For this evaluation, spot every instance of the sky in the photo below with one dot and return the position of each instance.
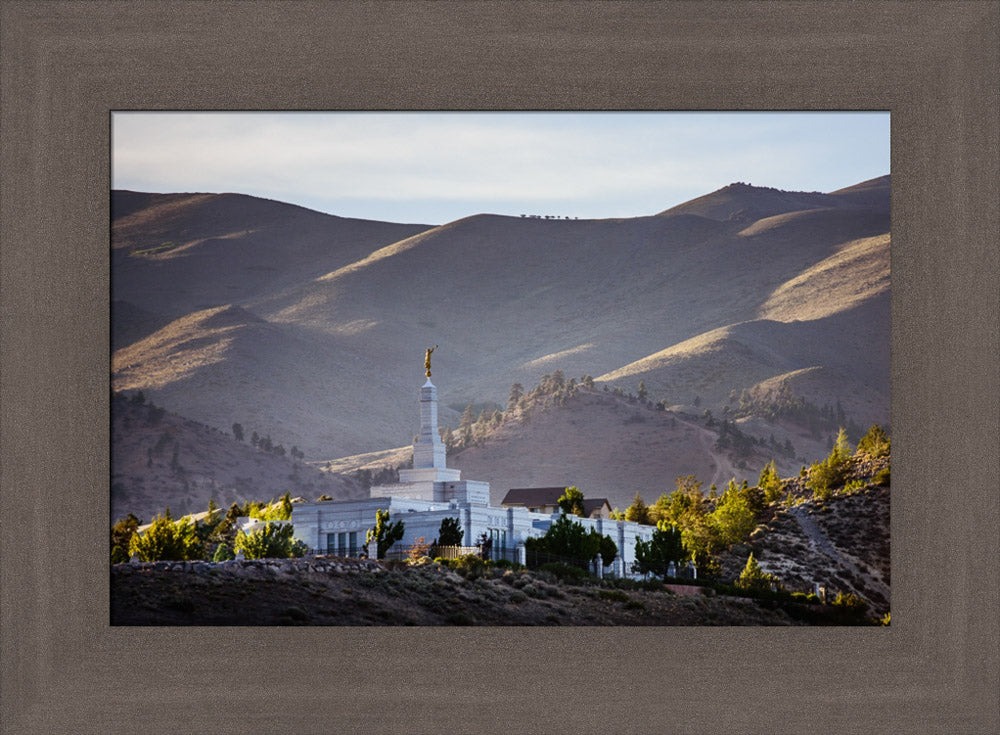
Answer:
(436, 167)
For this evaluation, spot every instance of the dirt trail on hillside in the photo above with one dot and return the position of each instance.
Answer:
(724, 469)
(840, 559)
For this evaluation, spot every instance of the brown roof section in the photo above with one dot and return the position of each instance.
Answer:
(533, 496)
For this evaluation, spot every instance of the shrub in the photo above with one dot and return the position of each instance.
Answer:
(882, 477)
(566, 573)
(273, 541)
(613, 595)
(167, 540)
(754, 578)
(223, 553)
(469, 566)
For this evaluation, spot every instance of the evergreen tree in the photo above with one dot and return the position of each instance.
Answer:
(875, 443)
(770, 483)
(385, 534)
(754, 578)
(121, 536)
(450, 533)
(637, 512)
(222, 553)
(516, 391)
(733, 518)
(238, 432)
(571, 501)
(642, 392)
(655, 555)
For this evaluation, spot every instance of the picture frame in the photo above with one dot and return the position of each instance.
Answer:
(65, 66)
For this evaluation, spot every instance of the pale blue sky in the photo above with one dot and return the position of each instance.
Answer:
(435, 167)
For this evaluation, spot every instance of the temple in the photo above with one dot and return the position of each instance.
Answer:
(430, 492)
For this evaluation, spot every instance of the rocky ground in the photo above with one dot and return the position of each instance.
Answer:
(334, 591)
(842, 544)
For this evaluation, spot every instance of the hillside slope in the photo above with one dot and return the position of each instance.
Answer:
(160, 460)
(330, 317)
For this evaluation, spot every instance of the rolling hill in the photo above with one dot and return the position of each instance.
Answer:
(230, 308)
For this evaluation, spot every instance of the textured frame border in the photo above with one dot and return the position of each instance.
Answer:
(64, 66)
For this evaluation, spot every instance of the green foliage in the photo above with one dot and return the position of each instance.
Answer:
(754, 578)
(571, 501)
(450, 533)
(568, 539)
(167, 540)
(655, 555)
(733, 517)
(770, 483)
(272, 541)
(882, 477)
(280, 510)
(851, 606)
(875, 443)
(121, 536)
(701, 538)
(223, 553)
(638, 511)
(385, 534)
(829, 474)
(469, 566)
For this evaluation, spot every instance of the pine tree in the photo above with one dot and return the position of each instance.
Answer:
(385, 534)
(571, 501)
(638, 512)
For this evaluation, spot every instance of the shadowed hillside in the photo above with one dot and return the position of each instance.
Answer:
(230, 308)
(160, 460)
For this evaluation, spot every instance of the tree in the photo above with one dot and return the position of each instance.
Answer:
(121, 536)
(568, 539)
(238, 431)
(516, 391)
(875, 443)
(638, 511)
(733, 518)
(754, 578)
(272, 541)
(450, 533)
(167, 540)
(465, 425)
(255, 439)
(770, 483)
(655, 555)
(571, 501)
(830, 473)
(385, 534)
(222, 553)
(642, 392)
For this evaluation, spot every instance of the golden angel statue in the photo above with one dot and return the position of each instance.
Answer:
(427, 360)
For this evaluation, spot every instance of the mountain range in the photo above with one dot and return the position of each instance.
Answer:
(312, 328)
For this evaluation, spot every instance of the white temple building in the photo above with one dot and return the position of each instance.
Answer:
(430, 492)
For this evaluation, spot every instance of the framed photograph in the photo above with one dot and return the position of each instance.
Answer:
(67, 68)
